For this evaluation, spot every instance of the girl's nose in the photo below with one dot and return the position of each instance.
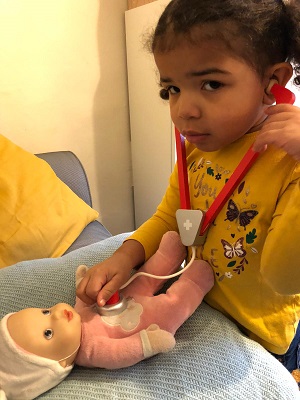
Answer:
(188, 107)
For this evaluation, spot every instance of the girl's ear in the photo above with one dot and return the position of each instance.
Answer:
(279, 73)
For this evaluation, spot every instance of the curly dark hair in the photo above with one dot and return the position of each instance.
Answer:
(262, 32)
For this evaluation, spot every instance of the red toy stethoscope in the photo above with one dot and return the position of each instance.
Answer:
(193, 224)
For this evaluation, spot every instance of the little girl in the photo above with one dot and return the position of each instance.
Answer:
(216, 60)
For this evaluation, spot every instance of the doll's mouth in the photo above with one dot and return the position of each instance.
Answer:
(68, 315)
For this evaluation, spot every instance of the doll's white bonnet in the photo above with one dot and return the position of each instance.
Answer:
(24, 376)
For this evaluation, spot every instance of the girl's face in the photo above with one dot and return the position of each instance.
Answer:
(214, 98)
(52, 333)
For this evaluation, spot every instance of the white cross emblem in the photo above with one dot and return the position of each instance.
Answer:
(187, 225)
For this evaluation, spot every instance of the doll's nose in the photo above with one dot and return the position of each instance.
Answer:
(57, 314)
(61, 311)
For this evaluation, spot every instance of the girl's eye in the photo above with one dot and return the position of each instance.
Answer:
(173, 89)
(165, 92)
(48, 334)
(46, 312)
(212, 85)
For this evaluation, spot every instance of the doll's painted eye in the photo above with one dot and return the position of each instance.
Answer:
(46, 312)
(48, 334)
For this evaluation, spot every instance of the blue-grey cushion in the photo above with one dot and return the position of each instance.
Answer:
(212, 359)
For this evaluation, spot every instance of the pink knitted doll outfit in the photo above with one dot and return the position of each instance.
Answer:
(148, 325)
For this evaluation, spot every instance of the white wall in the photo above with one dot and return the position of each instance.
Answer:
(152, 134)
(63, 86)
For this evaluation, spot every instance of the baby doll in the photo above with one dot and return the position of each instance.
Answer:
(145, 328)
(148, 324)
(37, 350)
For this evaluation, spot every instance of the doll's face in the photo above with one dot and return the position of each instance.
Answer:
(51, 333)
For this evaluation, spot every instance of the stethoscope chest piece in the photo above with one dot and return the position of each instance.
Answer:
(110, 310)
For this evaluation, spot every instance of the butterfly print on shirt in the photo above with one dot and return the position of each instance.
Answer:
(243, 217)
(235, 249)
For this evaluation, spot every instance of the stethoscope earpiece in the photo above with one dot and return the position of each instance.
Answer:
(281, 93)
(270, 85)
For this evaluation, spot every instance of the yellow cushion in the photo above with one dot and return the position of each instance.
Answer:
(40, 216)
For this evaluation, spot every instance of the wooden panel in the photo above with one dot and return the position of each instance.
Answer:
(137, 3)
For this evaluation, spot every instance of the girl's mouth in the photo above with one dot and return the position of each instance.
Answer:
(194, 137)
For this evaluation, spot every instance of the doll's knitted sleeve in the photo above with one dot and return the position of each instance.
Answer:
(103, 352)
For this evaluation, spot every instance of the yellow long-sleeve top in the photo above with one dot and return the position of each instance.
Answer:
(253, 245)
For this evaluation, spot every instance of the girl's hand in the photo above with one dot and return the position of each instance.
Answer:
(281, 129)
(103, 280)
